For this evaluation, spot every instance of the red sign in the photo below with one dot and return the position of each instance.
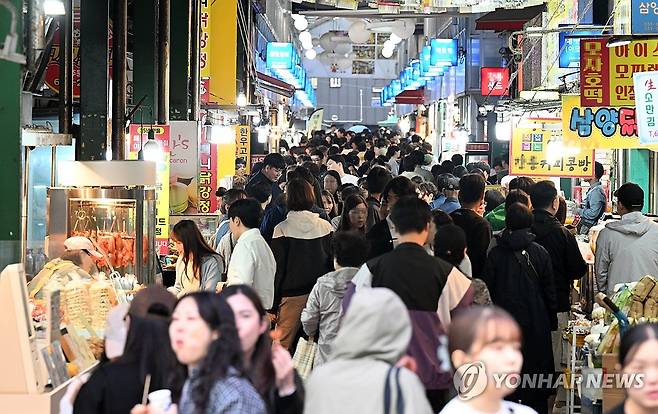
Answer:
(207, 175)
(51, 78)
(204, 91)
(494, 81)
(594, 73)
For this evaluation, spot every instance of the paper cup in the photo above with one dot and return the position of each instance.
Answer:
(160, 399)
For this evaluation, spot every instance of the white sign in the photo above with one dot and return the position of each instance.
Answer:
(646, 106)
(183, 147)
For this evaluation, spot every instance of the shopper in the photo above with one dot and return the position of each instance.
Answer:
(273, 167)
(330, 204)
(332, 182)
(519, 275)
(567, 261)
(230, 197)
(449, 244)
(383, 235)
(488, 336)
(432, 290)
(377, 179)
(496, 217)
(337, 163)
(252, 262)
(268, 366)
(393, 154)
(302, 248)
(627, 249)
(450, 185)
(374, 336)
(198, 266)
(323, 307)
(477, 229)
(638, 355)
(501, 167)
(355, 214)
(261, 192)
(117, 386)
(595, 201)
(205, 340)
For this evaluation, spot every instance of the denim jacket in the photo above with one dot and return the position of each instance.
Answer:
(594, 205)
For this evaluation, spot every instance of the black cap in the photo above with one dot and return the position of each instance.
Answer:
(447, 182)
(631, 196)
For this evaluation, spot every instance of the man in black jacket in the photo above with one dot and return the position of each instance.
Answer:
(469, 218)
(568, 263)
(376, 180)
(273, 167)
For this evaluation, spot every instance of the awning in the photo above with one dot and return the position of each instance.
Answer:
(512, 20)
(274, 85)
(411, 97)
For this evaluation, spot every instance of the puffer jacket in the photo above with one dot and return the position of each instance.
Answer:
(323, 309)
(626, 250)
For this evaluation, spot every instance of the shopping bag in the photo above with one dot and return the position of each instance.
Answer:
(304, 356)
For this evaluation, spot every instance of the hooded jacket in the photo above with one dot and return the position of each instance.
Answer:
(323, 309)
(568, 262)
(301, 245)
(374, 335)
(626, 250)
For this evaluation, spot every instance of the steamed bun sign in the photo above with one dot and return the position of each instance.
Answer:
(538, 153)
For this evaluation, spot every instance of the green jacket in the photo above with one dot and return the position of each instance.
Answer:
(496, 218)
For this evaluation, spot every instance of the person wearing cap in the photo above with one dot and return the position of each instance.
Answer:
(77, 263)
(117, 385)
(451, 192)
(627, 249)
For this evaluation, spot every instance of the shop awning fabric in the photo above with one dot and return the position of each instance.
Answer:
(512, 20)
(274, 85)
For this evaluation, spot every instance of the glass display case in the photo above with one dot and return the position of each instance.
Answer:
(120, 222)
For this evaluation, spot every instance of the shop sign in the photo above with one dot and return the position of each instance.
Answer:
(646, 103)
(207, 174)
(218, 48)
(243, 145)
(537, 153)
(444, 52)
(569, 44)
(184, 165)
(494, 81)
(279, 55)
(256, 158)
(644, 17)
(138, 136)
(606, 74)
(314, 122)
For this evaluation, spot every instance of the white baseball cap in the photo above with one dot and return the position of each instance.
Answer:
(81, 243)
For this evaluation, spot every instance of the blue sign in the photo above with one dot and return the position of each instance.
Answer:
(570, 46)
(644, 17)
(280, 56)
(444, 52)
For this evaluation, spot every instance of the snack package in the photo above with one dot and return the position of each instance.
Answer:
(609, 339)
(637, 310)
(643, 288)
(650, 309)
(654, 293)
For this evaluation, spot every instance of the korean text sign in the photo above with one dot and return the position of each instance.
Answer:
(535, 152)
(494, 81)
(644, 17)
(606, 74)
(208, 160)
(243, 145)
(646, 103)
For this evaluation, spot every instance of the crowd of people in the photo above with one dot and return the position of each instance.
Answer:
(401, 268)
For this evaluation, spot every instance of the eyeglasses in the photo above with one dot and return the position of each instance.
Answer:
(358, 213)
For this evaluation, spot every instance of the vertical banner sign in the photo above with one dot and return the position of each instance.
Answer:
(243, 145)
(218, 51)
(537, 153)
(184, 167)
(494, 81)
(644, 17)
(207, 174)
(204, 53)
(314, 122)
(646, 104)
(138, 136)
(606, 74)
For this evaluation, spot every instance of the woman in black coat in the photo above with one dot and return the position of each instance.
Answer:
(519, 276)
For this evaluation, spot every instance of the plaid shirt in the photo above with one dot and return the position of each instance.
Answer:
(230, 395)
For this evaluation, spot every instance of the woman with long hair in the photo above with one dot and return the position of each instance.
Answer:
(205, 339)
(638, 358)
(268, 366)
(355, 213)
(117, 385)
(330, 204)
(332, 182)
(199, 267)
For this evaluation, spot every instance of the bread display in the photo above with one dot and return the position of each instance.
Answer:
(100, 295)
(76, 303)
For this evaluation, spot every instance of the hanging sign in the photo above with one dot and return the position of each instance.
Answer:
(138, 136)
(219, 28)
(184, 167)
(646, 103)
(494, 81)
(644, 17)
(243, 145)
(606, 74)
(538, 153)
(208, 173)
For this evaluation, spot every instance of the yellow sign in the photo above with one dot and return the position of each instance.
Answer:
(243, 145)
(600, 127)
(218, 53)
(538, 153)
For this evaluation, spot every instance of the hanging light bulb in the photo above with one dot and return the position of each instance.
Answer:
(395, 39)
(301, 23)
(306, 37)
(311, 54)
(54, 7)
(241, 100)
(387, 53)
